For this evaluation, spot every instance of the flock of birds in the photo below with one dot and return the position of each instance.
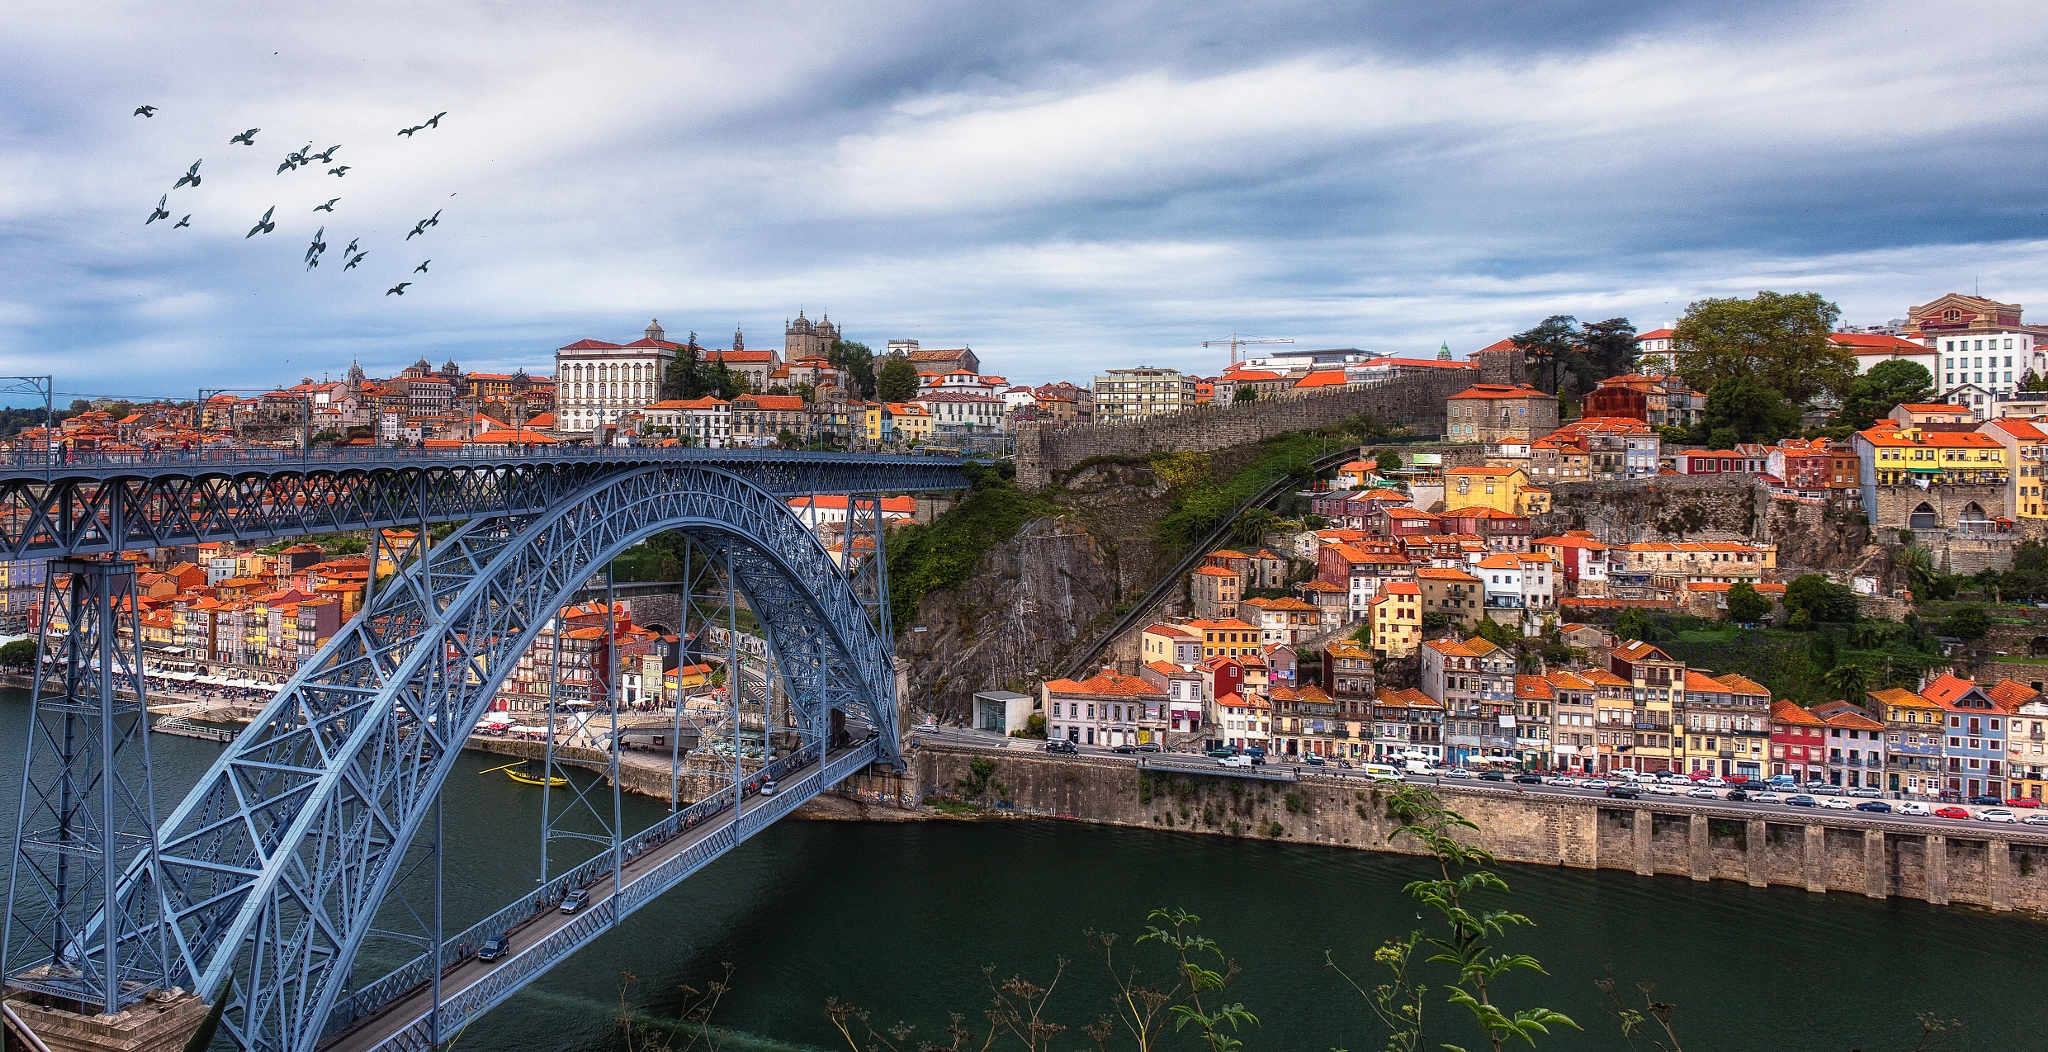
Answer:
(304, 157)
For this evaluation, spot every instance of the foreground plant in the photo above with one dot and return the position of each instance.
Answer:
(1466, 944)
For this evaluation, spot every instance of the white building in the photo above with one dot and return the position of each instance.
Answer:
(1993, 363)
(1874, 349)
(598, 383)
(957, 409)
(707, 422)
(829, 509)
(1133, 394)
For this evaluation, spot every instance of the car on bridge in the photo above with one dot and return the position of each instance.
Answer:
(575, 900)
(1061, 745)
(493, 948)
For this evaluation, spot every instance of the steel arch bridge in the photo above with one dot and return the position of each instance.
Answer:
(266, 879)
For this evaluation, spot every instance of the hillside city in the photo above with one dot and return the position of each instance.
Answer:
(1418, 610)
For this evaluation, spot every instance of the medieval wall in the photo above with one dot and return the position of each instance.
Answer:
(1044, 452)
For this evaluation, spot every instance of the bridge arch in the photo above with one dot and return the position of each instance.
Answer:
(274, 866)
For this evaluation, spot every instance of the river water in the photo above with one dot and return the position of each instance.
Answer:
(900, 919)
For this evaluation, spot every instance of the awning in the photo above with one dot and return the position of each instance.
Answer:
(530, 730)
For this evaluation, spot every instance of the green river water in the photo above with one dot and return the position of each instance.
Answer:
(901, 918)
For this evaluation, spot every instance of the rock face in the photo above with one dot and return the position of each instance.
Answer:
(1022, 607)
(1808, 536)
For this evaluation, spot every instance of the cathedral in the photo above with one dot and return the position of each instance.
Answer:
(803, 338)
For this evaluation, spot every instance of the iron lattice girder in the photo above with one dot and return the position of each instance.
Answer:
(86, 812)
(102, 508)
(319, 796)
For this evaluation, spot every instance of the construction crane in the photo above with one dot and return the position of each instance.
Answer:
(1236, 340)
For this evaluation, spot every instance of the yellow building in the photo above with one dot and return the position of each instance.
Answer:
(912, 423)
(870, 418)
(1394, 618)
(1502, 489)
(2023, 441)
(1895, 456)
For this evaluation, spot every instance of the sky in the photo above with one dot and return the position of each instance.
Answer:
(1064, 187)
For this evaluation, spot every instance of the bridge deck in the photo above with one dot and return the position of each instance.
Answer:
(471, 987)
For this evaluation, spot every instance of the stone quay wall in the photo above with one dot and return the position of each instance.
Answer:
(1998, 868)
(1044, 452)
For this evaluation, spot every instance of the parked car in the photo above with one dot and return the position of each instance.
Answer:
(1148, 746)
(1672, 778)
(1666, 788)
(493, 948)
(1458, 772)
(1702, 792)
(1802, 800)
(1910, 808)
(1951, 811)
(1868, 792)
(1124, 750)
(1987, 801)
(1836, 803)
(1218, 754)
(1714, 781)
(2036, 819)
(1818, 786)
(1313, 760)
(1235, 761)
(1876, 807)
(1061, 745)
(1561, 780)
(2022, 801)
(1997, 814)
(1766, 796)
(1623, 791)
(1492, 776)
(1528, 778)
(1597, 783)
(575, 900)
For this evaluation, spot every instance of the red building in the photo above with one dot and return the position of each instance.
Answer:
(1798, 742)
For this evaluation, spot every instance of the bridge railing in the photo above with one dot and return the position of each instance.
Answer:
(59, 460)
(390, 987)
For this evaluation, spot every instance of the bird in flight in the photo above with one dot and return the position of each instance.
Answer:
(353, 260)
(435, 120)
(435, 219)
(288, 163)
(247, 138)
(145, 111)
(263, 225)
(407, 132)
(422, 268)
(158, 212)
(417, 228)
(191, 177)
(328, 207)
(398, 289)
(187, 221)
(350, 250)
(325, 156)
(318, 246)
(338, 172)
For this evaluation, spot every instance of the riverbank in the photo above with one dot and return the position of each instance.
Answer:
(1999, 868)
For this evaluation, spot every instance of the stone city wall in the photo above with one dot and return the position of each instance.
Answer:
(1044, 452)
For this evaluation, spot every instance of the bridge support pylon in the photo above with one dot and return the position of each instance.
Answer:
(79, 977)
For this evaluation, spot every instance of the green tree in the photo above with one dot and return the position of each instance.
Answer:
(1847, 680)
(1779, 341)
(1387, 462)
(898, 380)
(1632, 624)
(1966, 622)
(1554, 346)
(1879, 391)
(857, 364)
(19, 654)
(1244, 394)
(1745, 605)
(1815, 600)
(684, 378)
(1610, 347)
(1754, 412)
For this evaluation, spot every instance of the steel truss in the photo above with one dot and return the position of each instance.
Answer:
(274, 866)
(73, 509)
(86, 811)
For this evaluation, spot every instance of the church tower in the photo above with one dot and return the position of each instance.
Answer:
(739, 341)
(1443, 352)
(654, 330)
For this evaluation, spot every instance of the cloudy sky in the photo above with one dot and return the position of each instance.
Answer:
(1062, 186)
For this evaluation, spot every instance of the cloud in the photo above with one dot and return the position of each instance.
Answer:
(1062, 188)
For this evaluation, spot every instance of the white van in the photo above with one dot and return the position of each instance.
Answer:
(1380, 772)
